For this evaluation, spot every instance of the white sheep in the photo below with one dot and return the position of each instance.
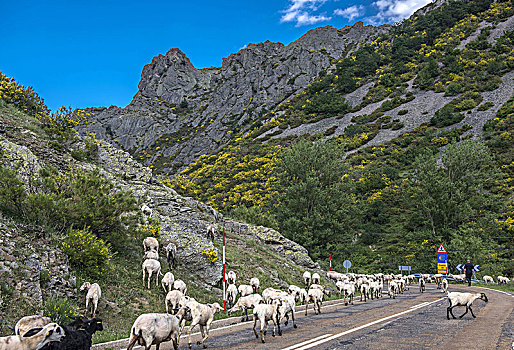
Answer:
(28, 322)
(270, 294)
(349, 292)
(244, 290)
(231, 277)
(392, 289)
(231, 294)
(181, 286)
(444, 285)
(151, 254)
(150, 243)
(302, 298)
(294, 291)
(167, 282)
(421, 284)
(315, 296)
(244, 303)
(316, 279)
(336, 276)
(203, 315)
(173, 298)
(463, 299)
(49, 333)
(307, 278)
(287, 307)
(254, 282)
(503, 280)
(265, 313)
(147, 211)
(488, 279)
(171, 254)
(151, 266)
(94, 293)
(154, 328)
(364, 291)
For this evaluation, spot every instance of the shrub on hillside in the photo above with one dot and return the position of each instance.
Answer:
(87, 252)
(12, 192)
(446, 116)
(60, 310)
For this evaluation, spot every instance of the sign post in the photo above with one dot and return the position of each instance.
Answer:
(347, 264)
(224, 292)
(404, 268)
(330, 269)
(442, 260)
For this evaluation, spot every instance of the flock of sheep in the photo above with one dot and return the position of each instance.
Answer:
(272, 305)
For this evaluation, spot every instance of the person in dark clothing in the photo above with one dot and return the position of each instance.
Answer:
(469, 268)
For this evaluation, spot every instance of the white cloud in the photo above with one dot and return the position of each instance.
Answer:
(351, 12)
(395, 10)
(302, 12)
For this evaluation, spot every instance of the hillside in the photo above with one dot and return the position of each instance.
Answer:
(69, 212)
(397, 93)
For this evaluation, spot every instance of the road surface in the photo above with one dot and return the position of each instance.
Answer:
(413, 320)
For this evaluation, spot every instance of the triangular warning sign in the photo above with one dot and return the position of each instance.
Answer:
(441, 249)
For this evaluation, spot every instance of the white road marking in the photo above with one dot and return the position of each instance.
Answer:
(338, 335)
(307, 342)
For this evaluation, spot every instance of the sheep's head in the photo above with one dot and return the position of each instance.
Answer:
(54, 332)
(85, 286)
(483, 297)
(215, 307)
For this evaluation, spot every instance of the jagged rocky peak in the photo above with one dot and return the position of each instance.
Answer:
(171, 77)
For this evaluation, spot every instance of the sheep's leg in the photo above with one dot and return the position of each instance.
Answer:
(472, 314)
(143, 278)
(255, 325)
(202, 332)
(87, 305)
(292, 318)
(157, 279)
(306, 307)
(149, 278)
(278, 326)
(461, 316)
(193, 325)
(451, 311)
(95, 305)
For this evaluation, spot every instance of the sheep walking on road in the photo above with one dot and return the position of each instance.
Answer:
(153, 328)
(463, 299)
(255, 283)
(444, 285)
(94, 293)
(203, 315)
(265, 313)
(421, 284)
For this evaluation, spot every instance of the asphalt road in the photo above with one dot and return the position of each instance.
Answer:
(413, 320)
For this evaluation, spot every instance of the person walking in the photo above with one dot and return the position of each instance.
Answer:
(469, 268)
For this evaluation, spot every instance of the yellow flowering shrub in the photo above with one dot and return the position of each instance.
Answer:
(60, 310)
(87, 252)
(211, 254)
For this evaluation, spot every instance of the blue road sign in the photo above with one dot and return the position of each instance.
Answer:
(442, 258)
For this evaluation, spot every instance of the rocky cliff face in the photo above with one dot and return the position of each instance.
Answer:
(181, 112)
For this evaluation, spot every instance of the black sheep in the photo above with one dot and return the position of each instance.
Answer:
(75, 339)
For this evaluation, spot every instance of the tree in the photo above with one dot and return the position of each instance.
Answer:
(456, 192)
(311, 209)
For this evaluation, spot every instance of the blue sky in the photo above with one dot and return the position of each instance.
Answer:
(91, 53)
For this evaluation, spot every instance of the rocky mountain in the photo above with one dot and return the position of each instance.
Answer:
(181, 112)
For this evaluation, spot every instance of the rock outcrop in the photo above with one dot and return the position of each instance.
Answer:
(181, 112)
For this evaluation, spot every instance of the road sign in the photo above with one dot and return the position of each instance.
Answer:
(441, 249)
(347, 264)
(477, 268)
(404, 268)
(460, 267)
(442, 268)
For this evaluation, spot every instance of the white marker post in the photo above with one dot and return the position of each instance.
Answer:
(330, 263)
(224, 295)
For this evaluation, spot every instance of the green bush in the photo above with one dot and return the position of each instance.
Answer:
(453, 89)
(446, 116)
(403, 111)
(60, 310)
(87, 252)
(12, 192)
